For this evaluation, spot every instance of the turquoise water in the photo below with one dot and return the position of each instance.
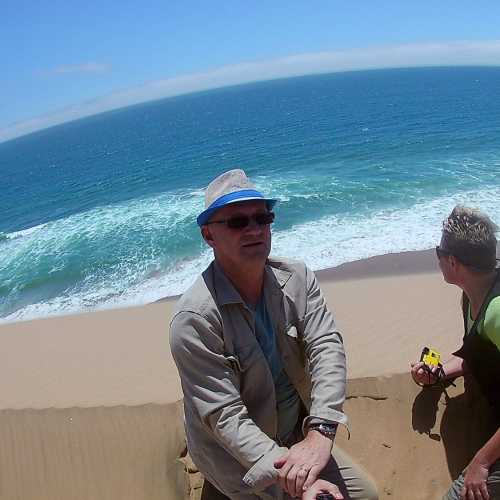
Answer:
(101, 212)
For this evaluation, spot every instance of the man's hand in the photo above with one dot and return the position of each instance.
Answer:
(475, 479)
(322, 486)
(300, 466)
(424, 375)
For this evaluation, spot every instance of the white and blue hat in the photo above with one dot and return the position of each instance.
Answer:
(230, 187)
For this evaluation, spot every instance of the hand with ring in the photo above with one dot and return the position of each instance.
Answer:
(300, 466)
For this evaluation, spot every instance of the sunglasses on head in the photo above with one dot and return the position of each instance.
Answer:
(479, 266)
(441, 253)
(242, 221)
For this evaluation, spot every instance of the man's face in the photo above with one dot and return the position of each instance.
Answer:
(445, 264)
(239, 247)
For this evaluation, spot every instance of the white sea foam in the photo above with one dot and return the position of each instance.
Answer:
(155, 288)
(333, 240)
(326, 242)
(125, 279)
(24, 232)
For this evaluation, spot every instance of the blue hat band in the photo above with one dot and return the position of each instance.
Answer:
(244, 194)
(228, 198)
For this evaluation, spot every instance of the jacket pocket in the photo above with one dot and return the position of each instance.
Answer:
(234, 362)
(246, 357)
(293, 349)
(291, 331)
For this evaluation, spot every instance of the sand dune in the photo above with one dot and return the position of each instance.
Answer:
(118, 452)
(89, 404)
(411, 440)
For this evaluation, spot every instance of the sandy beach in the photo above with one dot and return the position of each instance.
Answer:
(90, 404)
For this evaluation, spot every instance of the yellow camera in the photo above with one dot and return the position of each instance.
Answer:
(430, 357)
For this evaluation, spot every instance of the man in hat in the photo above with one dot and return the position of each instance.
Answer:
(467, 259)
(261, 362)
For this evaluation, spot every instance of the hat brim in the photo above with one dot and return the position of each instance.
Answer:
(228, 199)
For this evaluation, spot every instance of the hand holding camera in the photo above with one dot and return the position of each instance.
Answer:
(429, 370)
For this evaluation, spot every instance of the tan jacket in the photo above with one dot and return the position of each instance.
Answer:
(229, 397)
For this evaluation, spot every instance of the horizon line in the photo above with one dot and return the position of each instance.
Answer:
(408, 56)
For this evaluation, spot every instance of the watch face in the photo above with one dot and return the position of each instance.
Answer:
(328, 430)
(331, 429)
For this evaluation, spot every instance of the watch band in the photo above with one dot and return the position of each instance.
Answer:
(327, 430)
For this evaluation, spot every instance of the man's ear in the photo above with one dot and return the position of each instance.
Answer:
(207, 236)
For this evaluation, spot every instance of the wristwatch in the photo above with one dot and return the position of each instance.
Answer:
(328, 430)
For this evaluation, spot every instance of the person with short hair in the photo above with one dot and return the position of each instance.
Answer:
(467, 259)
(261, 362)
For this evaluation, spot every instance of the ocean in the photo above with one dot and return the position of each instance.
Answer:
(100, 212)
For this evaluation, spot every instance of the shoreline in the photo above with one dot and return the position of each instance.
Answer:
(390, 264)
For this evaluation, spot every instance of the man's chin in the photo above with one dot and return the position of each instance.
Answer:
(256, 251)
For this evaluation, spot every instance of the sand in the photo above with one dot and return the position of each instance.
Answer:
(90, 404)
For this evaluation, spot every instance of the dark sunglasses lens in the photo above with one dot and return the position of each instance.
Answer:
(243, 221)
(264, 219)
(441, 253)
(238, 222)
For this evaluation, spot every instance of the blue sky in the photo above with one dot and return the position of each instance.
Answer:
(63, 59)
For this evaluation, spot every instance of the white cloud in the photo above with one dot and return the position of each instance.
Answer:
(411, 55)
(90, 67)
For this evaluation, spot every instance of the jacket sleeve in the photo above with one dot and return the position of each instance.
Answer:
(326, 357)
(211, 386)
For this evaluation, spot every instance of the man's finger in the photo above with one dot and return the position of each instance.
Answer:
(322, 486)
(281, 461)
(291, 477)
(463, 493)
(302, 475)
(417, 372)
(336, 493)
(478, 494)
(484, 491)
(283, 474)
(311, 477)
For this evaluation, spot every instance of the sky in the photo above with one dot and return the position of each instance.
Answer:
(62, 60)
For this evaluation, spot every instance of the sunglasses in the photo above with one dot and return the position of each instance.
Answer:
(242, 221)
(441, 253)
(467, 261)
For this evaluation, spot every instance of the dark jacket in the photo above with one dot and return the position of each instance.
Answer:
(480, 354)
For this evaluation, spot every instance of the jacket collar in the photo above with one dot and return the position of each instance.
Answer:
(274, 277)
(226, 293)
